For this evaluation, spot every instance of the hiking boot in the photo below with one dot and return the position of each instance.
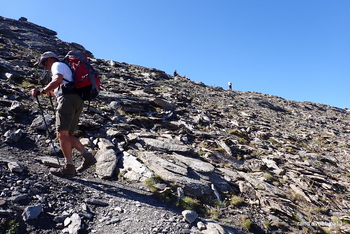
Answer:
(88, 161)
(67, 170)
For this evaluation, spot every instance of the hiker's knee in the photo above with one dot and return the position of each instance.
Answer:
(62, 134)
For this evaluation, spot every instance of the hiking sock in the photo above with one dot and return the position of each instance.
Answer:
(69, 161)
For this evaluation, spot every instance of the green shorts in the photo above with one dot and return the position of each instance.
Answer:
(68, 112)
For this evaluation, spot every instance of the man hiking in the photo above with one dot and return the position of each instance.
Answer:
(69, 108)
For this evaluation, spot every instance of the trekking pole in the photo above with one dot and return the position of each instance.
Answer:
(52, 107)
(47, 127)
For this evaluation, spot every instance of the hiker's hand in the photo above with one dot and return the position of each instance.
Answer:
(35, 92)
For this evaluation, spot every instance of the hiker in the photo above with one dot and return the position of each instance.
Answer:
(68, 111)
(229, 86)
(175, 73)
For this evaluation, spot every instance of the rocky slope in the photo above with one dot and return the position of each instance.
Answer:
(174, 156)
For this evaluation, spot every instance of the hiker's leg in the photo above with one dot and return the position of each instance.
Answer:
(76, 144)
(68, 169)
(66, 145)
(78, 108)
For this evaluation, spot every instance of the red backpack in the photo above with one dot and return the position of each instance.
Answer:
(85, 78)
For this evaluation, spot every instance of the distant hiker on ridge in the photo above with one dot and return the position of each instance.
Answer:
(175, 73)
(70, 106)
(229, 86)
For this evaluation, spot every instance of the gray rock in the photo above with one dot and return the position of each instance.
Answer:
(189, 215)
(31, 212)
(75, 224)
(166, 145)
(17, 107)
(15, 167)
(95, 201)
(195, 164)
(201, 226)
(19, 197)
(49, 161)
(164, 104)
(173, 173)
(105, 144)
(214, 228)
(106, 163)
(13, 136)
(133, 169)
(39, 124)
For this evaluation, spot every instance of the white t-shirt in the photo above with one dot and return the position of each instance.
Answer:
(63, 69)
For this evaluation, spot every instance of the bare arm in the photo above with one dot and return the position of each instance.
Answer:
(55, 82)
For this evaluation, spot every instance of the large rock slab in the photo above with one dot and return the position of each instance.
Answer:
(169, 145)
(195, 164)
(106, 163)
(133, 169)
(193, 184)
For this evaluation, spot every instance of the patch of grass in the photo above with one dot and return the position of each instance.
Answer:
(323, 230)
(257, 153)
(214, 213)
(266, 224)
(242, 141)
(345, 221)
(291, 150)
(321, 210)
(268, 177)
(26, 84)
(236, 200)
(299, 197)
(202, 128)
(295, 218)
(274, 142)
(150, 182)
(246, 222)
(335, 219)
(238, 133)
(8, 226)
(189, 203)
(121, 112)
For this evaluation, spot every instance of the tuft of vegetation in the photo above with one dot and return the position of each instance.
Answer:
(246, 222)
(213, 213)
(150, 182)
(236, 200)
(242, 141)
(268, 177)
(295, 218)
(274, 142)
(238, 133)
(25, 84)
(189, 203)
(9, 226)
(266, 223)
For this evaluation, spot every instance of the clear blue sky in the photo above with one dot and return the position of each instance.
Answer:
(295, 49)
